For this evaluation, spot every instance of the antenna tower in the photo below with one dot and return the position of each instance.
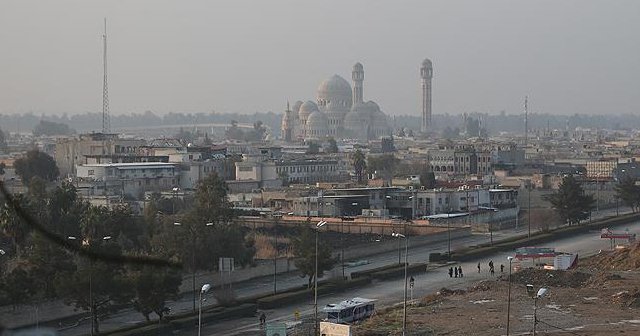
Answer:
(106, 120)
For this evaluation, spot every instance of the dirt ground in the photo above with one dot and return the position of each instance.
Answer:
(600, 297)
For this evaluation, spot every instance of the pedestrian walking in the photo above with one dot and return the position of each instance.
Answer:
(263, 320)
(492, 270)
(490, 265)
(501, 268)
(460, 271)
(451, 272)
(478, 267)
(455, 272)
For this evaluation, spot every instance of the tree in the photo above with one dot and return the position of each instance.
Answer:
(427, 177)
(304, 249)
(16, 287)
(385, 165)
(234, 132)
(332, 146)
(3, 143)
(629, 192)
(51, 128)
(36, 163)
(570, 202)
(359, 162)
(153, 288)
(313, 148)
(47, 262)
(96, 287)
(12, 226)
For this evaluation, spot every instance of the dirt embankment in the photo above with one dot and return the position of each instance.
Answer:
(601, 297)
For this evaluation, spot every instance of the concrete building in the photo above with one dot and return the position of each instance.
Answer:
(126, 179)
(460, 160)
(73, 151)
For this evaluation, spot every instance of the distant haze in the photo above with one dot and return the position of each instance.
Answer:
(578, 56)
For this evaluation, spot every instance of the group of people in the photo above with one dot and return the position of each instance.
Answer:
(492, 269)
(455, 272)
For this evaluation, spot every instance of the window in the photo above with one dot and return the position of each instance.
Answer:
(91, 172)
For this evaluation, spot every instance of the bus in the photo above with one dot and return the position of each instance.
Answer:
(350, 311)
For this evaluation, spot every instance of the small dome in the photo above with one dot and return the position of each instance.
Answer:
(317, 125)
(373, 106)
(358, 67)
(317, 119)
(427, 63)
(296, 107)
(307, 109)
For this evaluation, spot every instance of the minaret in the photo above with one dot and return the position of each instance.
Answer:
(358, 77)
(287, 124)
(426, 73)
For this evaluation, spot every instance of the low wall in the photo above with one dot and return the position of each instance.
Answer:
(265, 267)
(360, 225)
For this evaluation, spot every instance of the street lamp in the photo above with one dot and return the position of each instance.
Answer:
(406, 263)
(275, 253)
(91, 305)
(510, 258)
(384, 206)
(315, 279)
(204, 290)
(193, 258)
(541, 292)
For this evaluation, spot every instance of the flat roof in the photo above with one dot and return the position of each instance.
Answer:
(131, 165)
(346, 304)
(450, 215)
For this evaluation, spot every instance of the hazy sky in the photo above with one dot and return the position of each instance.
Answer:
(579, 56)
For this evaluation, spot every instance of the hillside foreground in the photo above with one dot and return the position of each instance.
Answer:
(600, 297)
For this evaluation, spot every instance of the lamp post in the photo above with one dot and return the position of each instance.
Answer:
(275, 253)
(193, 258)
(205, 288)
(91, 304)
(541, 292)
(510, 258)
(406, 263)
(315, 280)
(529, 208)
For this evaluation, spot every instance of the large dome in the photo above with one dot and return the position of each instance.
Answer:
(335, 90)
(306, 109)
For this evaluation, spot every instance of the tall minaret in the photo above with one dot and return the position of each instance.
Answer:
(358, 77)
(426, 73)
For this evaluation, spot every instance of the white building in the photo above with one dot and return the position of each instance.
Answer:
(339, 112)
(126, 178)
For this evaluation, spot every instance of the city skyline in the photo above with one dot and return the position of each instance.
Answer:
(570, 57)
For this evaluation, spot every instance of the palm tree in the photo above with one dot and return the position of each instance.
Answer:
(359, 164)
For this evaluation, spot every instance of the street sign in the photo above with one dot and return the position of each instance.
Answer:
(334, 329)
(225, 264)
(276, 329)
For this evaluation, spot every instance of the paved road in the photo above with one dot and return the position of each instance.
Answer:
(391, 292)
(264, 285)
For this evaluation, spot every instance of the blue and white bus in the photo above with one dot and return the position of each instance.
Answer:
(350, 311)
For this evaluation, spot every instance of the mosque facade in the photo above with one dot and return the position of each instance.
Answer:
(339, 111)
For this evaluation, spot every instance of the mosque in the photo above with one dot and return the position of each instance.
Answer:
(338, 112)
